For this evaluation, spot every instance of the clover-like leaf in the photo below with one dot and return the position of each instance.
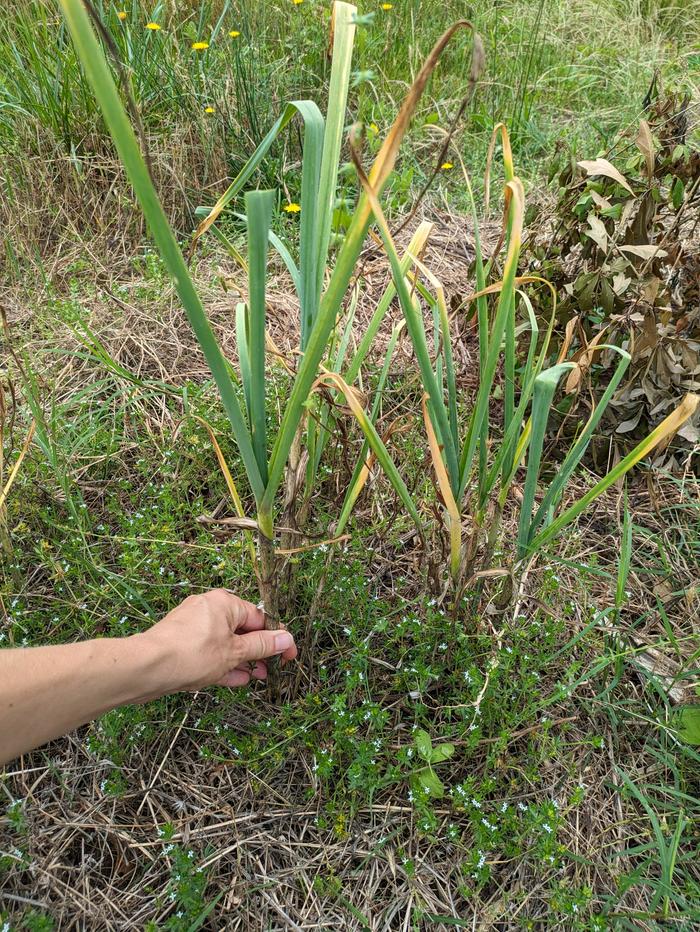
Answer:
(689, 724)
(423, 744)
(442, 753)
(431, 783)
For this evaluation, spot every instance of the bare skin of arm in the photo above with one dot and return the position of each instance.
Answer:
(210, 639)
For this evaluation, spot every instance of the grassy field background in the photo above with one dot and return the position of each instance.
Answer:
(561, 76)
(570, 802)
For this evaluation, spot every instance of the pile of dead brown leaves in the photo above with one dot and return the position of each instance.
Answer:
(622, 247)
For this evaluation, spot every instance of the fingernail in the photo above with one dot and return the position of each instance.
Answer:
(283, 640)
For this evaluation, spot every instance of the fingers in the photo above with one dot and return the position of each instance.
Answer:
(257, 645)
(257, 669)
(242, 675)
(240, 615)
(235, 678)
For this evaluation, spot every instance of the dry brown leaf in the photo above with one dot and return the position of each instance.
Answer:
(626, 426)
(667, 672)
(601, 201)
(650, 289)
(568, 337)
(620, 283)
(602, 167)
(645, 144)
(645, 252)
(583, 360)
(597, 232)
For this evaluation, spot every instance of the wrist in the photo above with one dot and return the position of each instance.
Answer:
(155, 663)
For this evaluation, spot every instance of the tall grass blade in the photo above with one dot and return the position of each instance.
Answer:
(309, 293)
(665, 430)
(343, 31)
(545, 386)
(531, 371)
(446, 343)
(361, 471)
(259, 213)
(413, 250)
(454, 520)
(414, 324)
(344, 268)
(573, 458)
(103, 86)
(375, 442)
(242, 340)
(17, 464)
(246, 173)
(515, 208)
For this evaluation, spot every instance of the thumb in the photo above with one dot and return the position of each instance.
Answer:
(257, 645)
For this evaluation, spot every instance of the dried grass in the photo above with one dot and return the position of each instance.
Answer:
(97, 862)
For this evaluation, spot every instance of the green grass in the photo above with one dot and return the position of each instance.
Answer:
(557, 75)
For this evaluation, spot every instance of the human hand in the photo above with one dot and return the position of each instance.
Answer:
(214, 639)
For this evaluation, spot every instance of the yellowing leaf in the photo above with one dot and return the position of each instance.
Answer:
(15, 469)
(595, 167)
(454, 520)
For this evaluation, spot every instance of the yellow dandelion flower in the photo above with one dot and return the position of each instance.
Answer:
(292, 208)
(446, 166)
(297, 2)
(154, 27)
(387, 6)
(121, 14)
(374, 128)
(200, 46)
(234, 33)
(210, 109)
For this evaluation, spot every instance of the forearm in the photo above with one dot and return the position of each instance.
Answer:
(48, 691)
